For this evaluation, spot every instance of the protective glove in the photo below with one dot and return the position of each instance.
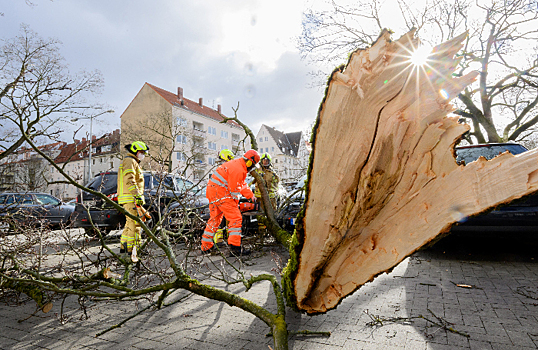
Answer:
(139, 200)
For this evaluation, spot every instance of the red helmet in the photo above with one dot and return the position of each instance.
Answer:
(252, 155)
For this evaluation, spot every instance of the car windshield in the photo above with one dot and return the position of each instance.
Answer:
(105, 183)
(470, 154)
(185, 185)
(45, 199)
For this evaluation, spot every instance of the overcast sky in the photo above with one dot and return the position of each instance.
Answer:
(223, 51)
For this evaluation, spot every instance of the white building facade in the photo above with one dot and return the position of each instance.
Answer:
(184, 136)
(290, 152)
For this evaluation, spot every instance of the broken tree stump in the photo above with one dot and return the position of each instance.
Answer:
(383, 180)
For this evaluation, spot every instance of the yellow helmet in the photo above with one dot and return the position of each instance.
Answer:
(266, 156)
(226, 155)
(137, 146)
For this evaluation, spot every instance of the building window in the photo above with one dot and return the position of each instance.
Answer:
(181, 139)
(266, 149)
(211, 130)
(223, 147)
(211, 161)
(272, 149)
(266, 139)
(181, 121)
(212, 145)
(261, 139)
(181, 156)
(276, 161)
(224, 134)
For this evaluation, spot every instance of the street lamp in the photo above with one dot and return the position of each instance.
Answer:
(91, 137)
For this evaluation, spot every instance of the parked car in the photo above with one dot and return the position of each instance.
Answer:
(518, 215)
(33, 209)
(159, 191)
(287, 214)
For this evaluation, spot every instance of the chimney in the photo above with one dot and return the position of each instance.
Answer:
(94, 138)
(180, 93)
(83, 140)
(200, 102)
(218, 109)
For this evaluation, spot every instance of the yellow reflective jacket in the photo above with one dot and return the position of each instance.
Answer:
(271, 181)
(130, 180)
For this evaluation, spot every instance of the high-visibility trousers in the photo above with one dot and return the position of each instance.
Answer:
(219, 207)
(131, 232)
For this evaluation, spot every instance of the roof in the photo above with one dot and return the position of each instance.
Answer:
(72, 151)
(287, 142)
(190, 105)
(28, 153)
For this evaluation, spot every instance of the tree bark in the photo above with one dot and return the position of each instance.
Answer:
(383, 180)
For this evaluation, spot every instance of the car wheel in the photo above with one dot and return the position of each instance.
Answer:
(92, 232)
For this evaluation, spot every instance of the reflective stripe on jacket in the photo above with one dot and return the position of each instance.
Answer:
(271, 182)
(230, 176)
(130, 180)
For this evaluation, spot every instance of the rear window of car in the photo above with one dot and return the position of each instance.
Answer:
(20, 199)
(105, 183)
(470, 154)
(166, 183)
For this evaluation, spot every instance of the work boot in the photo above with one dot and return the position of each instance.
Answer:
(209, 251)
(239, 251)
(123, 248)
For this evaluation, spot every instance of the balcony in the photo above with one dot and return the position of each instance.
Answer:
(198, 132)
(199, 163)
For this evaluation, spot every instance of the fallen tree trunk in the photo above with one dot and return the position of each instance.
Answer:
(383, 180)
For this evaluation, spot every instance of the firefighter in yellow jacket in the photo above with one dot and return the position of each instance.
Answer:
(131, 195)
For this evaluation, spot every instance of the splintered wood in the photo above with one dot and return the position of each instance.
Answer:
(384, 180)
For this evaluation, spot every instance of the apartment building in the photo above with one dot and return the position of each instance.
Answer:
(184, 136)
(290, 152)
(27, 170)
(74, 158)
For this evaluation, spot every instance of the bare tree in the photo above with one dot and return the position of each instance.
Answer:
(37, 89)
(501, 46)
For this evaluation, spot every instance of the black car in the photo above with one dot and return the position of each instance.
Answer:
(519, 215)
(33, 209)
(159, 191)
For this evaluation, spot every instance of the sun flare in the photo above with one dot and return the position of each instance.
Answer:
(419, 57)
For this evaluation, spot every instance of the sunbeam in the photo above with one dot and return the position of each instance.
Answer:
(419, 57)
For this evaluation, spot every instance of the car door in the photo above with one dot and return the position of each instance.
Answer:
(27, 210)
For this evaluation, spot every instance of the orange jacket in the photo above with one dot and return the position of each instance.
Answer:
(231, 176)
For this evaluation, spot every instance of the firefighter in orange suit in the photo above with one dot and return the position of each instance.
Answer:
(131, 194)
(223, 190)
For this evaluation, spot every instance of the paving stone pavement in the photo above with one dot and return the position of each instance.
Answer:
(498, 311)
